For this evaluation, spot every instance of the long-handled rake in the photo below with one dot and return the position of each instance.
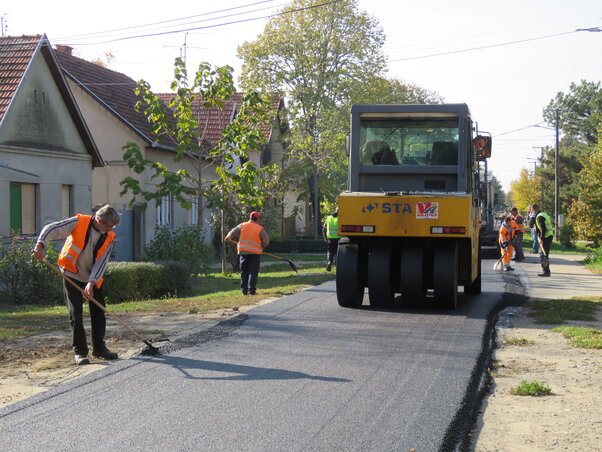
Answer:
(150, 349)
(290, 262)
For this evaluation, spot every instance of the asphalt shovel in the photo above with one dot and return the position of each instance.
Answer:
(545, 261)
(149, 350)
(499, 265)
(290, 262)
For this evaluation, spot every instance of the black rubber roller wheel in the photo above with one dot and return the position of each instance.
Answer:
(413, 287)
(350, 290)
(381, 286)
(445, 275)
(475, 286)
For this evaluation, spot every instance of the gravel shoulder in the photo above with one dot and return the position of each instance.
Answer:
(570, 418)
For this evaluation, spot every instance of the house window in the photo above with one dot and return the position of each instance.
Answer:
(66, 201)
(194, 210)
(164, 211)
(22, 209)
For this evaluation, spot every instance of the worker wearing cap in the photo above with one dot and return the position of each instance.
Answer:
(505, 240)
(252, 240)
(518, 234)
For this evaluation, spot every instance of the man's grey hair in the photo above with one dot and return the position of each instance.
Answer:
(108, 215)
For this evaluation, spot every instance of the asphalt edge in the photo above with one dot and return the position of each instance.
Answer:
(458, 437)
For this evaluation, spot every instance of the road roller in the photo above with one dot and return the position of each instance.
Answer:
(410, 218)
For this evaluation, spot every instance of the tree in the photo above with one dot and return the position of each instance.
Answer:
(177, 121)
(317, 53)
(585, 214)
(525, 190)
(579, 112)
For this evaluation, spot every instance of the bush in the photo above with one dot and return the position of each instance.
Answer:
(132, 281)
(297, 246)
(23, 280)
(567, 235)
(594, 256)
(184, 244)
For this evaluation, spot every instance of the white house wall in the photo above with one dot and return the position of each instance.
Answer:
(40, 144)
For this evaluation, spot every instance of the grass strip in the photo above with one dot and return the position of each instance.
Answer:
(557, 312)
(581, 337)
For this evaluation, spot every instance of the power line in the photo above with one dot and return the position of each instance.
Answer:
(210, 26)
(133, 27)
(483, 47)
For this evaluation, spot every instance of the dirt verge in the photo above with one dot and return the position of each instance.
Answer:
(568, 419)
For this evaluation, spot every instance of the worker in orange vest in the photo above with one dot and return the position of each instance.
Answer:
(518, 234)
(252, 240)
(84, 259)
(505, 240)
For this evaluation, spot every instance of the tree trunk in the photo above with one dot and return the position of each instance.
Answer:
(316, 204)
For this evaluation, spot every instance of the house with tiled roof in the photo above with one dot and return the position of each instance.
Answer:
(107, 100)
(47, 152)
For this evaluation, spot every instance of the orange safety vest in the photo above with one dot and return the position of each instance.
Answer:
(505, 233)
(250, 239)
(519, 226)
(76, 242)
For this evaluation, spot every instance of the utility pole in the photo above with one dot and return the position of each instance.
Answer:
(556, 176)
(4, 25)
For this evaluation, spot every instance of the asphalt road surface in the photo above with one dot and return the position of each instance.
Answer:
(296, 374)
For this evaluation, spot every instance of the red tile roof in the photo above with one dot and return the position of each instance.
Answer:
(212, 121)
(112, 89)
(15, 55)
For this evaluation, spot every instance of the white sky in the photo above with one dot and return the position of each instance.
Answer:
(505, 86)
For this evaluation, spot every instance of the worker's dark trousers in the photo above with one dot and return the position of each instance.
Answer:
(249, 270)
(333, 245)
(98, 322)
(518, 246)
(545, 251)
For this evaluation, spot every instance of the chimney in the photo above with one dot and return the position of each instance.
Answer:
(65, 49)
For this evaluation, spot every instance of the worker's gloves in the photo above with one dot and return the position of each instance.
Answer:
(504, 244)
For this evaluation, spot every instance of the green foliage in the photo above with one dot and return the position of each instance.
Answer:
(177, 121)
(23, 280)
(125, 281)
(525, 190)
(595, 255)
(184, 244)
(586, 212)
(581, 337)
(297, 246)
(531, 388)
(518, 341)
(560, 311)
(567, 235)
(579, 111)
(318, 56)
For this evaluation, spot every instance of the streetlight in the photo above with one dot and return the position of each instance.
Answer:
(593, 29)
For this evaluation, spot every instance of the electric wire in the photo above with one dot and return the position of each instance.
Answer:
(282, 13)
(165, 21)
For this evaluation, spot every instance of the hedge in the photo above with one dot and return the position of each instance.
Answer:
(132, 281)
(297, 246)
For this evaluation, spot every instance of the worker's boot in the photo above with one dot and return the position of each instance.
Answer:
(328, 266)
(80, 360)
(104, 353)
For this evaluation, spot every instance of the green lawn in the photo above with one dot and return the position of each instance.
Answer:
(209, 292)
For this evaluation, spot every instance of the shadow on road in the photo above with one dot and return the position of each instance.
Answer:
(237, 371)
